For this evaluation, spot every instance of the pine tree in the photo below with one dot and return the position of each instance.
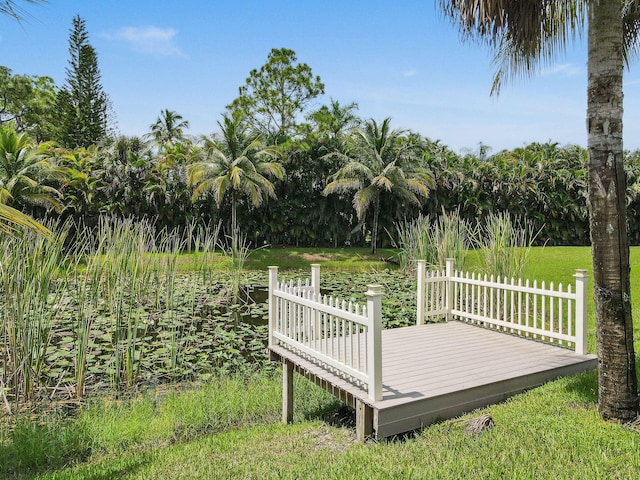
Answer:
(82, 103)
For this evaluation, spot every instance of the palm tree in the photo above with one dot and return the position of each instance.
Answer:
(379, 161)
(235, 162)
(168, 128)
(335, 120)
(24, 167)
(524, 34)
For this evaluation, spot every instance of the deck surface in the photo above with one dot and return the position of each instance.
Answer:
(437, 371)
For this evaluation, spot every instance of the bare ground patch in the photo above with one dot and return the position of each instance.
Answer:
(318, 257)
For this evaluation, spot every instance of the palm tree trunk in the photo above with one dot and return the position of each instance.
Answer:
(234, 213)
(374, 230)
(617, 398)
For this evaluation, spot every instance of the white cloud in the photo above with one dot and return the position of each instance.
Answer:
(149, 40)
(409, 73)
(564, 69)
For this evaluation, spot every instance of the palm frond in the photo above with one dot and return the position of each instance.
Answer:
(407, 195)
(354, 169)
(363, 199)
(523, 35)
(382, 182)
(342, 185)
(10, 216)
(631, 23)
(418, 187)
(271, 169)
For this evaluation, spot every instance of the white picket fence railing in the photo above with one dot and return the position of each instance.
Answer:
(339, 335)
(529, 309)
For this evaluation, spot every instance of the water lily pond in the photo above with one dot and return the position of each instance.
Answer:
(190, 327)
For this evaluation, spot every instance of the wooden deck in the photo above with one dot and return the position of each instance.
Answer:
(437, 371)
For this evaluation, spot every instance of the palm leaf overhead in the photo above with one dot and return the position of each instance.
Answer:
(9, 8)
(524, 35)
(10, 218)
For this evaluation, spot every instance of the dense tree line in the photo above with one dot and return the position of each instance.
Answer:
(142, 178)
(276, 170)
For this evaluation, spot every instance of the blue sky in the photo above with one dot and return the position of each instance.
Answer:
(400, 59)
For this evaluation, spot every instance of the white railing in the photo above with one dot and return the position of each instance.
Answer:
(529, 309)
(337, 334)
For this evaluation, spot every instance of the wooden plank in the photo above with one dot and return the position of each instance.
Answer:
(364, 421)
(405, 416)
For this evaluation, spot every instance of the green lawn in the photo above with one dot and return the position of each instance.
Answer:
(229, 428)
(552, 432)
(290, 258)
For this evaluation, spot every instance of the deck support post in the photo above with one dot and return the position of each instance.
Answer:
(420, 300)
(287, 391)
(581, 311)
(364, 421)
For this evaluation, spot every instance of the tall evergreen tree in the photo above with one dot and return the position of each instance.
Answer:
(275, 95)
(82, 103)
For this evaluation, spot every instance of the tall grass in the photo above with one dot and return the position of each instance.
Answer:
(108, 428)
(236, 251)
(87, 296)
(433, 240)
(33, 277)
(505, 243)
(122, 273)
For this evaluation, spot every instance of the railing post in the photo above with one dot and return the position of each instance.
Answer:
(273, 283)
(448, 294)
(581, 311)
(420, 300)
(374, 341)
(315, 277)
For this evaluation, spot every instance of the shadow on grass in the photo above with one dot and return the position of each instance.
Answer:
(584, 385)
(109, 472)
(332, 412)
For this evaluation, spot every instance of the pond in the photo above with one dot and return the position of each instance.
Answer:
(189, 329)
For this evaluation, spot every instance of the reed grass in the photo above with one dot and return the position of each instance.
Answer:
(33, 275)
(121, 272)
(433, 240)
(87, 292)
(505, 243)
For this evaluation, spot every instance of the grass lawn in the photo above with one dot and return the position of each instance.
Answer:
(290, 258)
(229, 427)
(551, 432)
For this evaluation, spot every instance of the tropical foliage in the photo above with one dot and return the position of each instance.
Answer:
(236, 163)
(389, 176)
(380, 161)
(25, 169)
